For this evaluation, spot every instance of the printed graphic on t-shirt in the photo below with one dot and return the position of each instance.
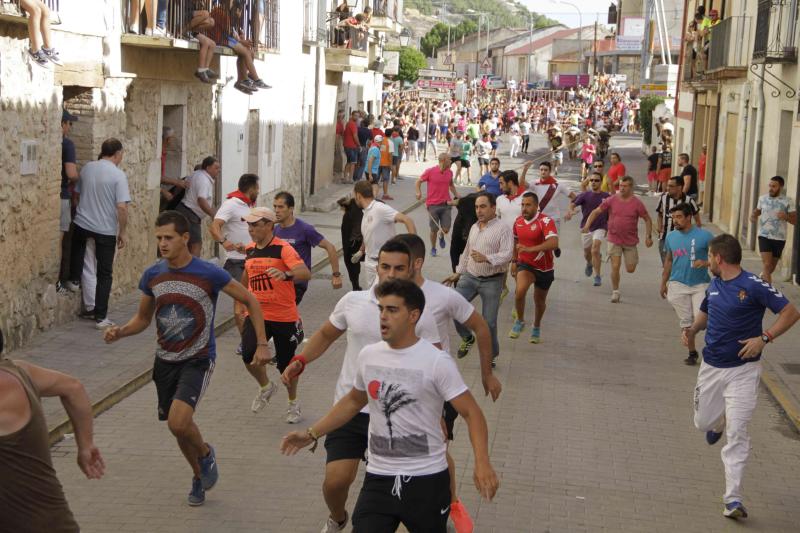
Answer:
(389, 396)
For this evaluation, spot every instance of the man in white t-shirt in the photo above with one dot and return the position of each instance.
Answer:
(357, 313)
(554, 197)
(377, 226)
(405, 380)
(509, 204)
(198, 201)
(230, 230)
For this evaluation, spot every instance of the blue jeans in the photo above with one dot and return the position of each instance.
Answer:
(161, 14)
(489, 290)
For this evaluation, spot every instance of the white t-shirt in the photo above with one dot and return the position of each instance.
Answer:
(201, 185)
(557, 204)
(525, 127)
(377, 227)
(357, 313)
(509, 210)
(483, 148)
(235, 229)
(446, 305)
(408, 388)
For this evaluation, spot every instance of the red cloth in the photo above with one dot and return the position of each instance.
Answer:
(615, 173)
(350, 135)
(339, 128)
(243, 197)
(701, 168)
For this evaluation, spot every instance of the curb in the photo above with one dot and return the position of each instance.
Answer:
(108, 401)
(780, 394)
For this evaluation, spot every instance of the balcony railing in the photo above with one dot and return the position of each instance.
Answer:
(245, 16)
(392, 9)
(775, 29)
(12, 7)
(343, 34)
(728, 39)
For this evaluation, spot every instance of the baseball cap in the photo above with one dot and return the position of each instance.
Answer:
(378, 138)
(257, 213)
(66, 116)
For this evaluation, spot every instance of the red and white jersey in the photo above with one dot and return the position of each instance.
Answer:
(533, 233)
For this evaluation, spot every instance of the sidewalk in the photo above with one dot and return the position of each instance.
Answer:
(110, 373)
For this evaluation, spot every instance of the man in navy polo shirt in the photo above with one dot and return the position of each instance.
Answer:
(727, 384)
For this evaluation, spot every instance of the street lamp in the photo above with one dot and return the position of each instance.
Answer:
(405, 37)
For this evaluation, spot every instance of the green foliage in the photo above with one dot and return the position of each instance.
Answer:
(646, 107)
(438, 35)
(411, 60)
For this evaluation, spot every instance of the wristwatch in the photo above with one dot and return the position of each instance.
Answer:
(288, 274)
(766, 338)
(337, 274)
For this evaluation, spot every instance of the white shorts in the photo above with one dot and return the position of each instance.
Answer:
(596, 235)
(558, 156)
(686, 300)
(66, 215)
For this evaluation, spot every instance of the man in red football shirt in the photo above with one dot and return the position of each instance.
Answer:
(615, 172)
(536, 238)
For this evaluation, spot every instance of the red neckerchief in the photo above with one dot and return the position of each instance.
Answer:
(243, 197)
(549, 181)
(520, 192)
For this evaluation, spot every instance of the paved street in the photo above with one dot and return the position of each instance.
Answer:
(593, 430)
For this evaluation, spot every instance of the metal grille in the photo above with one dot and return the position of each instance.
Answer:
(343, 35)
(388, 8)
(775, 27)
(726, 48)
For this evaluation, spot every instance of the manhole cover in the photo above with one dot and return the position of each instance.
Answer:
(791, 368)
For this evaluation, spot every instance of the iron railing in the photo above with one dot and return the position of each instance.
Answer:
(775, 29)
(388, 8)
(342, 34)
(728, 38)
(262, 29)
(12, 7)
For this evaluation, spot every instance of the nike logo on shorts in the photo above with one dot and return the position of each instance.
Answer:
(444, 511)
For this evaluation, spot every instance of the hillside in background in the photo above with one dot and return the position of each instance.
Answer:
(501, 12)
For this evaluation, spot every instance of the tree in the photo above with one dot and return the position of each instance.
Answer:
(411, 60)
(646, 107)
(392, 398)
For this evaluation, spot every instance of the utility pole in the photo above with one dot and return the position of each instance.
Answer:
(594, 46)
(530, 49)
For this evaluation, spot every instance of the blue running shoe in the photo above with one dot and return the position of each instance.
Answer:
(712, 437)
(588, 270)
(208, 469)
(597, 281)
(734, 510)
(198, 494)
(536, 335)
(442, 242)
(433, 252)
(516, 329)
(239, 349)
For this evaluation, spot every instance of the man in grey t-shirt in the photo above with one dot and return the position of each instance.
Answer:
(102, 215)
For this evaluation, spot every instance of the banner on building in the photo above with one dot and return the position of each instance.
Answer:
(392, 58)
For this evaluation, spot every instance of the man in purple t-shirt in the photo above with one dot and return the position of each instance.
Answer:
(302, 236)
(593, 239)
(440, 185)
(624, 211)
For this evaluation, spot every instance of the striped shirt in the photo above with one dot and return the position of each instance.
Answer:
(495, 241)
(667, 202)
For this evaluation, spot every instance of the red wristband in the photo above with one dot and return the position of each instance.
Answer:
(302, 360)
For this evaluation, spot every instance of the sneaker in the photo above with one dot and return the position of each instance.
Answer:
(442, 242)
(260, 84)
(433, 252)
(536, 335)
(615, 297)
(71, 286)
(211, 74)
(516, 329)
(198, 494)
(208, 469)
(691, 360)
(466, 344)
(734, 510)
(332, 526)
(262, 398)
(87, 314)
(202, 76)
(588, 270)
(52, 55)
(148, 32)
(39, 58)
(597, 281)
(61, 288)
(250, 84)
(293, 414)
(460, 517)
(243, 87)
(239, 349)
(712, 437)
(104, 323)
(133, 30)
(160, 32)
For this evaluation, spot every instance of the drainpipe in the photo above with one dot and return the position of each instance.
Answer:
(315, 125)
(738, 184)
(759, 143)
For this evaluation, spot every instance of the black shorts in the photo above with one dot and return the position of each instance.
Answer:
(773, 246)
(454, 160)
(542, 280)
(465, 163)
(423, 505)
(286, 335)
(349, 441)
(234, 267)
(449, 414)
(185, 381)
(195, 224)
(299, 292)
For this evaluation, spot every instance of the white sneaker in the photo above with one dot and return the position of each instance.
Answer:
(331, 526)
(103, 324)
(160, 32)
(72, 286)
(293, 414)
(262, 398)
(615, 297)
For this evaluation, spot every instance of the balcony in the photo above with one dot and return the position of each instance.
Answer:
(387, 15)
(11, 11)
(727, 54)
(262, 29)
(775, 32)
(348, 46)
